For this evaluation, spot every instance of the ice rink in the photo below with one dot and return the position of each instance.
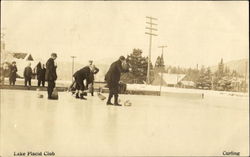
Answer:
(152, 126)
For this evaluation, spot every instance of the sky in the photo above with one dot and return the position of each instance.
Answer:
(195, 32)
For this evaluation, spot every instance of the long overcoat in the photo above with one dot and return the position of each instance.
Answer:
(114, 73)
(13, 72)
(50, 74)
(82, 74)
(27, 72)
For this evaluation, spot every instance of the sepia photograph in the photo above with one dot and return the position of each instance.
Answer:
(124, 78)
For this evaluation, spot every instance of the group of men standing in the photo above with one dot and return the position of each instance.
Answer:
(11, 72)
(87, 73)
(28, 73)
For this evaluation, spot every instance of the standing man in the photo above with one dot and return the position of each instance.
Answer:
(41, 75)
(80, 76)
(113, 77)
(13, 75)
(50, 74)
(94, 70)
(38, 71)
(27, 75)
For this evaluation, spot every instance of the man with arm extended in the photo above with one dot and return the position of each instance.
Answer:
(113, 77)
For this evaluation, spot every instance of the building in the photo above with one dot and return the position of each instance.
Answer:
(21, 58)
(171, 80)
(187, 84)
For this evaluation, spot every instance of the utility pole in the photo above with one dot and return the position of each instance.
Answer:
(150, 33)
(2, 39)
(73, 58)
(245, 77)
(162, 51)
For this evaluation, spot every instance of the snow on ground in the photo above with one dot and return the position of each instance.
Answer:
(152, 126)
(145, 87)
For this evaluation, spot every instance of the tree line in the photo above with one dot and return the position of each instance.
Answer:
(223, 78)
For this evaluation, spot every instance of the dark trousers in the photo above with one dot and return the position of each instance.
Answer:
(12, 82)
(39, 82)
(79, 84)
(27, 80)
(113, 91)
(91, 88)
(50, 88)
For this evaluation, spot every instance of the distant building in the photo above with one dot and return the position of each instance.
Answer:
(171, 80)
(22, 60)
(187, 84)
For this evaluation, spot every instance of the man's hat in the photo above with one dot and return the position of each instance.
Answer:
(13, 62)
(122, 58)
(54, 54)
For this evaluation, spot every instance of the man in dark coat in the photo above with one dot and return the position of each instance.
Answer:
(40, 74)
(13, 73)
(27, 75)
(80, 76)
(113, 77)
(50, 74)
(90, 81)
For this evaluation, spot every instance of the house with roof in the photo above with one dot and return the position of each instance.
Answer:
(187, 84)
(22, 60)
(165, 79)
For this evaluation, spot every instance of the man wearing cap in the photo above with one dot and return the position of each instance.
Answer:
(50, 74)
(13, 75)
(113, 77)
(91, 78)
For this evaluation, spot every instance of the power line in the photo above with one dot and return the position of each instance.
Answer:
(162, 48)
(73, 58)
(150, 33)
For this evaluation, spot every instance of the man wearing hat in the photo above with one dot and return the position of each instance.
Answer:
(90, 81)
(50, 74)
(113, 77)
(13, 73)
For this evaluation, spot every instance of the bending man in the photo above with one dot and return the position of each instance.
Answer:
(80, 76)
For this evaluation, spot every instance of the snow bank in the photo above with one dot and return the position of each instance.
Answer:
(144, 87)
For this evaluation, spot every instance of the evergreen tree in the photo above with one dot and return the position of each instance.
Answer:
(223, 78)
(208, 79)
(200, 83)
(158, 62)
(217, 81)
(221, 68)
(159, 65)
(139, 65)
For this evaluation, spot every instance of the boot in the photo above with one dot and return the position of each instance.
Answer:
(109, 100)
(116, 101)
(77, 96)
(82, 97)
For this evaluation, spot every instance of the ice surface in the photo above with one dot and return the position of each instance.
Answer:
(152, 126)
